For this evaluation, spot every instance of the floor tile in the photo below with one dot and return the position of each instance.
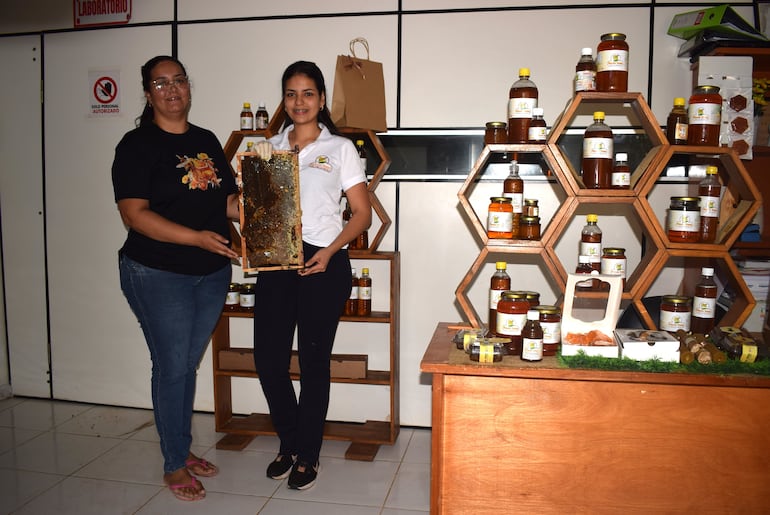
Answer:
(108, 421)
(11, 437)
(9, 402)
(298, 507)
(419, 447)
(411, 489)
(362, 483)
(214, 504)
(241, 472)
(80, 496)
(203, 431)
(56, 453)
(266, 443)
(40, 414)
(131, 460)
(19, 486)
(396, 511)
(396, 451)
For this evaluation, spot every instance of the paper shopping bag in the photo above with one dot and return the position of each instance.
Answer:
(358, 99)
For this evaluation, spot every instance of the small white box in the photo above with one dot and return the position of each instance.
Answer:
(573, 327)
(756, 319)
(644, 344)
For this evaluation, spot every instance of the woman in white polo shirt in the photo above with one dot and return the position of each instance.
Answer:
(312, 299)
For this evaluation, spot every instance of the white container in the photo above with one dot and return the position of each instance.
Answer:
(603, 317)
(644, 344)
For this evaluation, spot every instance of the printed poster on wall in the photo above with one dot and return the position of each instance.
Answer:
(94, 13)
(103, 93)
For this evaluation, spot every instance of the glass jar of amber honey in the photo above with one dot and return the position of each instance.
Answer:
(675, 312)
(500, 218)
(683, 221)
(496, 133)
(529, 228)
(612, 63)
(704, 116)
(511, 315)
(550, 321)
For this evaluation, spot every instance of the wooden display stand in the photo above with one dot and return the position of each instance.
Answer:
(539, 438)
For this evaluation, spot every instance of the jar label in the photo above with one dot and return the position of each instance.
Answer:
(704, 307)
(709, 206)
(551, 332)
(494, 298)
(499, 222)
(537, 134)
(680, 131)
(674, 320)
(365, 292)
(532, 349)
(353, 293)
(749, 353)
(517, 201)
(613, 60)
(247, 300)
(590, 249)
(585, 80)
(597, 148)
(521, 107)
(262, 121)
(486, 353)
(247, 123)
(704, 114)
(621, 179)
(614, 266)
(233, 298)
(510, 324)
(684, 221)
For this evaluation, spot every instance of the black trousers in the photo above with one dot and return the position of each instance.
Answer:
(313, 305)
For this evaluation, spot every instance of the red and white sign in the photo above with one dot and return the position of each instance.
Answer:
(104, 94)
(93, 13)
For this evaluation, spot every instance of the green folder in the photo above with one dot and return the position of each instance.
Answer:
(721, 18)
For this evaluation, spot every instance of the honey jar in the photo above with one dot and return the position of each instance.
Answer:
(500, 218)
(704, 116)
(683, 222)
(529, 228)
(495, 132)
(550, 321)
(511, 315)
(675, 312)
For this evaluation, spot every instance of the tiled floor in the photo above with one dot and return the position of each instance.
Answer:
(71, 458)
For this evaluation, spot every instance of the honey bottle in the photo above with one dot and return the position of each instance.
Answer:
(585, 71)
(513, 188)
(538, 131)
(704, 303)
(621, 173)
(532, 337)
(676, 123)
(352, 302)
(522, 99)
(591, 242)
(247, 117)
(709, 191)
(364, 304)
(261, 119)
(499, 283)
(597, 153)
(361, 153)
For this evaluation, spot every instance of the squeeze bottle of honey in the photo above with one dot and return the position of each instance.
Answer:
(597, 153)
(499, 283)
(513, 188)
(709, 190)
(676, 123)
(352, 302)
(364, 304)
(247, 117)
(591, 242)
(522, 99)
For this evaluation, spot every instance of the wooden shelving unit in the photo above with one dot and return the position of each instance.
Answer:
(366, 437)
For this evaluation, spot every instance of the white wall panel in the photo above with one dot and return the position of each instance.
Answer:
(21, 213)
(205, 9)
(437, 5)
(98, 350)
(448, 81)
(238, 70)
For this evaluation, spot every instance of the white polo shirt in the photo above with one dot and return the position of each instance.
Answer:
(327, 167)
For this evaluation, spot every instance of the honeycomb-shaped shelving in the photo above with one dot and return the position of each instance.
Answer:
(631, 106)
(739, 204)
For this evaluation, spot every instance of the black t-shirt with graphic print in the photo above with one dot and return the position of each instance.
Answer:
(186, 179)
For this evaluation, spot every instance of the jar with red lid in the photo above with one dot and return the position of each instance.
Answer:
(550, 321)
(675, 312)
(511, 315)
(500, 218)
(612, 63)
(496, 133)
(683, 221)
(704, 116)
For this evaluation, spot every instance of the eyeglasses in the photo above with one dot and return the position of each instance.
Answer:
(164, 85)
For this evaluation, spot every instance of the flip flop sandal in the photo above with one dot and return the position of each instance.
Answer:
(194, 483)
(205, 468)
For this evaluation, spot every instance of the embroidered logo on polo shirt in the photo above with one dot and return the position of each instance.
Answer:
(322, 162)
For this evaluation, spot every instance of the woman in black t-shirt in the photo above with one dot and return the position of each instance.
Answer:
(175, 193)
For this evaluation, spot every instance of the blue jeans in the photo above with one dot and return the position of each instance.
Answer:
(177, 313)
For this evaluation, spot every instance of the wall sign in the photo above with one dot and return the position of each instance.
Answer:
(90, 13)
(104, 93)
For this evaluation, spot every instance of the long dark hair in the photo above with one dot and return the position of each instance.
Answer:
(312, 71)
(148, 113)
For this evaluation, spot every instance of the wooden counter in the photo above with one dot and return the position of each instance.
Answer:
(518, 438)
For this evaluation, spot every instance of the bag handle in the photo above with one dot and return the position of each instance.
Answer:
(363, 42)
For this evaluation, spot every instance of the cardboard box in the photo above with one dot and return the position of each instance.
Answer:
(643, 345)
(722, 19)
(343, 366)
(599, 317)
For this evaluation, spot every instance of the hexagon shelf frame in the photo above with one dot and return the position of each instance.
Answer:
(637, 279)
(740, 202)
(742, 305)
(639, 106)
(274, 127)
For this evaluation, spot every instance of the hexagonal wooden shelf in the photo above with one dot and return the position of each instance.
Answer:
(639, 106)
(740, 201)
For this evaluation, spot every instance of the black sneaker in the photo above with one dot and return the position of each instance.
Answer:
(280, 466)
(302, 479)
